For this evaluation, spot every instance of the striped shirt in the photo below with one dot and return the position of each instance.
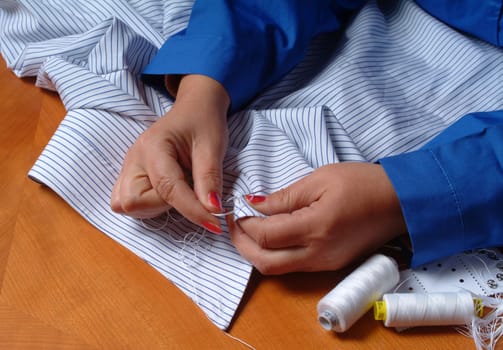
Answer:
(391, 83)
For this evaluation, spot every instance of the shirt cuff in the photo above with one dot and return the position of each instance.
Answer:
(209, 56)
(429, 205)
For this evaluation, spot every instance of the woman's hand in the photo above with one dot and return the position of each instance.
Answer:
(189, 140)
(322, 222)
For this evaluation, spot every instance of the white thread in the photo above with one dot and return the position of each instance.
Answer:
(172, 213)
(397, 287)
(487, 330)
(355, 295)
(190, 241)
(188, 251)
(235, 199)
(169, 217)
(155, 228)
(239, 340)
(483, 263)
(189, 257)
(238, 200)
(425, 309)
(224, 214)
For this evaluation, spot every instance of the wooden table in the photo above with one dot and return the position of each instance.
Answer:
(65, 285)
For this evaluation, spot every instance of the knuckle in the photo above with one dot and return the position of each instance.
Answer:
(285, 196)
(115, 203)
(320, 234)
(262, 240)
(116, 206)
(130, 204)
(166, 187)
(211, 175)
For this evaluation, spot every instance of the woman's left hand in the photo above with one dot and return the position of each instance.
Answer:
(322, 222)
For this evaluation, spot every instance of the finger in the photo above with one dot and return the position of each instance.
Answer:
(170, 184)
(115, 197)
(296, 196)
(178, 193)
(268, 261)
(281, 230)
(207, 176)
(133, 195)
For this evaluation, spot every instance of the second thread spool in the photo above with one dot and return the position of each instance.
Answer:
(428, 309)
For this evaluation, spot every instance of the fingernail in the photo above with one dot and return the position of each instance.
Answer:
(255, 199)
(212, 227)
(215, 201)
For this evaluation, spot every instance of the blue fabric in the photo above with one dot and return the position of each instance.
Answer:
(451, 190)
(247, 45)
(482, 19)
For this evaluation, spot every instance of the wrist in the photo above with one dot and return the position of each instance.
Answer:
(198, 93)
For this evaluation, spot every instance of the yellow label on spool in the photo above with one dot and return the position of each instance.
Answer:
(479, 307)
(380, 310)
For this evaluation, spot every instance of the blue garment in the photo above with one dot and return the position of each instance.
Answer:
(451, 191)
(248, 45)
(481, 19)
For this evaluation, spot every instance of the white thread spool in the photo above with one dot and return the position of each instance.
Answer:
(355, 295)
(427, 309)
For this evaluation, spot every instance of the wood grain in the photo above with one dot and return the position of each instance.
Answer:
(65, 285)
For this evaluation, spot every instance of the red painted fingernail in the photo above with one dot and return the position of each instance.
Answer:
(212, 227)
(215, 201)
(255, 199)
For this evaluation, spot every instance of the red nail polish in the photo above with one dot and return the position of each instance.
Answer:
(212, 227)
(214, 200)
(255, 199)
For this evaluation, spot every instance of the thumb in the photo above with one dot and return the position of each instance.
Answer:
(287, 200)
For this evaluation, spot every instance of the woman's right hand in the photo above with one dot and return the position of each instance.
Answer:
(190, 139)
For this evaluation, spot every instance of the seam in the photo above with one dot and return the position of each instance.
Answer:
(453, 191)
(498, 25)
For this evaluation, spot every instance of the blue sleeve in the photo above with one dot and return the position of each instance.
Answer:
(451, 190)
(480, 18)
(247, 45)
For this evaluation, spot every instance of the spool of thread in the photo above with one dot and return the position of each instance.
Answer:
(355, 295)
(427, 309)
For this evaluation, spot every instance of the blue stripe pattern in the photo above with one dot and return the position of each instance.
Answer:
(393, 81)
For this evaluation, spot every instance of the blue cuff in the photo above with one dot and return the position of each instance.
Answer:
(205, 55)
(429, 205)
(451, 190)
